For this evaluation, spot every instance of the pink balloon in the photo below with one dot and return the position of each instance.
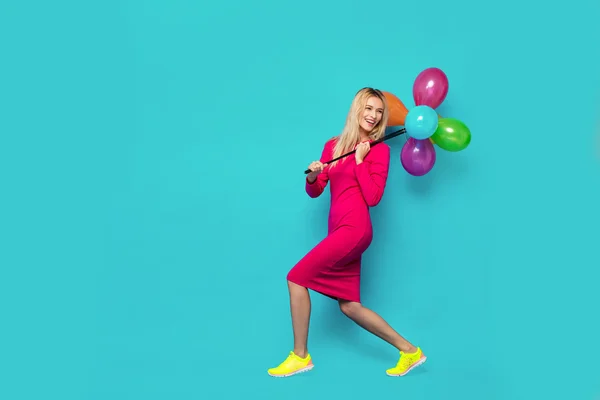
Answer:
(430, 88)
(418, 156)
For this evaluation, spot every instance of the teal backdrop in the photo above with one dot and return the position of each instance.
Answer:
(152, 157)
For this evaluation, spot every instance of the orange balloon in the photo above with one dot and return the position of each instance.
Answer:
(397, 109)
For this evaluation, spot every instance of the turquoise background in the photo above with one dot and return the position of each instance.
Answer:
(152, 157)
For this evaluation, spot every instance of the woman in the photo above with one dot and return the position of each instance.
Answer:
(332, 268)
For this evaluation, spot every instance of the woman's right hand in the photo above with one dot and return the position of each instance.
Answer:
(316, 168)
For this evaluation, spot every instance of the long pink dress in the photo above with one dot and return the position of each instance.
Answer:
(333, 266)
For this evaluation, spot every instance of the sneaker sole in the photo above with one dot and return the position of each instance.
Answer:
(305, 369)
(415, 365)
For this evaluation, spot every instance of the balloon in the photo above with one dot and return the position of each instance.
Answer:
(430, 87)
(418, 156)
(396, 108)
(421, 122)
(452, 135)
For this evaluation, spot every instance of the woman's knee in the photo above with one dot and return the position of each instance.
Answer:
(349, 308)
(294, 286)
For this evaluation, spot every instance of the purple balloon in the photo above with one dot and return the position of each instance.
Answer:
(430, 88)
(417, 156)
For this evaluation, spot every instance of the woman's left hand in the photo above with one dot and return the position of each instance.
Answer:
(361, 151)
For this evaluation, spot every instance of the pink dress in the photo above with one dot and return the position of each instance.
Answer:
(333, 266)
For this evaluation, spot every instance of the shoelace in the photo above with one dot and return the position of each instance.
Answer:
(291, 357)
(404, 361)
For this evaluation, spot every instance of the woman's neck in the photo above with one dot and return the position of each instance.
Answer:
(363, 136)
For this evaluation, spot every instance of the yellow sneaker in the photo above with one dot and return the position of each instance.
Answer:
(291, 366)
(407, 362)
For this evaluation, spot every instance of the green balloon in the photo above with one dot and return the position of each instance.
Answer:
(451, 135)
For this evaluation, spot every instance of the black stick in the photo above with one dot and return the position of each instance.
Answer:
(383, 139)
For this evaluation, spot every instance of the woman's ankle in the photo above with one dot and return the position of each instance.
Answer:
(302, 353)
(408, 348)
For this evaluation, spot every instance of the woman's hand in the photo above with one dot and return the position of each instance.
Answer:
(316, 168)
(361, 151)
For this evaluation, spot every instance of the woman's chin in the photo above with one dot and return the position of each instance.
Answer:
(367, 128)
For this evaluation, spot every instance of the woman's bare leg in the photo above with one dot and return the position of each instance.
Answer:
(300, 309)
(373, 323)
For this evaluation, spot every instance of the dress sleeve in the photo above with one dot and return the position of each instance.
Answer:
(372, 174)
(316, 188)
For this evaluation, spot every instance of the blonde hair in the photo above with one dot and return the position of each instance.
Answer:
(350, 135)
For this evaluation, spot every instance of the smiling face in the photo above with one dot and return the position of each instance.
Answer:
(371, 115)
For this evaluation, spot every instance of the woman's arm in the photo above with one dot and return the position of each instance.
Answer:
(316, 188)
(372, 173)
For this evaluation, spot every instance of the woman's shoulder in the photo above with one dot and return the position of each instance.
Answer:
(382, 147)
(380, 151)
(330, 143)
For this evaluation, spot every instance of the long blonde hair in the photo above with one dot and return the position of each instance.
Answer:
(350, 135)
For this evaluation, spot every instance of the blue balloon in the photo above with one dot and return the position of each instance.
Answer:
(421, 122)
